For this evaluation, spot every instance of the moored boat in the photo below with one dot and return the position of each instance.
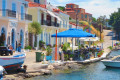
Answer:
(12, 62)
(113, 62)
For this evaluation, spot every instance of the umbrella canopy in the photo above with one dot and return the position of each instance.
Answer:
(73, 33)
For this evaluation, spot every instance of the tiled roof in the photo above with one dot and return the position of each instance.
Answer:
(71, 3)
(33, 4)
(70, 11)
(58, 10)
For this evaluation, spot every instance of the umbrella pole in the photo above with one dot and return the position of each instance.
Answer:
(56, 48)
(72, 45)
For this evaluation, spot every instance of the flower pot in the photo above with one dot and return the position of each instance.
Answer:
(99, 55)
(48, 58)
(71, 59)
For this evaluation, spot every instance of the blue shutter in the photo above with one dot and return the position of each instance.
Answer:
(13, 6)
(3, 7)
(41, 36)
(22, 12)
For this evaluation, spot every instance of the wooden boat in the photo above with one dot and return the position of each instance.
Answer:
(113, 62)
(12, 62)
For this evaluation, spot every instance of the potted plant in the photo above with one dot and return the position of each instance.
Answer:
(71, 57)
(48, 54)
(100, 53)
(35, 45)
(42, 45)
(28, 48)
(65, 47)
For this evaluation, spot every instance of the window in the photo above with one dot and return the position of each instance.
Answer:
(68, 6)
(3, 7)
(82, 16)
(37, 1)
(85, 16)
(71, 6)
(78, 11)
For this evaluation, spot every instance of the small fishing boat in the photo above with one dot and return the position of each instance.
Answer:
(12, 62)
(112, 62)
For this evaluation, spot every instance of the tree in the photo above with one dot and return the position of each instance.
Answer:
(35, 28)
(61, 8)
(115, 21)
(94, 19)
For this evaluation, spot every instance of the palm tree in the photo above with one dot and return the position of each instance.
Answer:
(35, 28)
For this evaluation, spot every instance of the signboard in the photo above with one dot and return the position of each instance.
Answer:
(13, 24)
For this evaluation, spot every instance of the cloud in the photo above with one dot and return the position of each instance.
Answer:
(95, 7)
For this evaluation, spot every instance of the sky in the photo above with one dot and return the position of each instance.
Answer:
(95, 7)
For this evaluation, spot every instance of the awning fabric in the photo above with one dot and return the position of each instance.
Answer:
(52, 14)
(73, 33)
(89, 39)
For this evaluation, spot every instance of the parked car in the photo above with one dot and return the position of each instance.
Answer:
(5, 51)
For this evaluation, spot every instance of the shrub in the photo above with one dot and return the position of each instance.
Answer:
(65, 46)
(41, 44)
(49, 51)
(110, 47)
(28, 47)
(49, 45)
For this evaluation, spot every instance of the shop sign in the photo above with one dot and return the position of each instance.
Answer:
(13, 24)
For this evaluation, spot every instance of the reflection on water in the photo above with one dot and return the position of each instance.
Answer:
(96, 71)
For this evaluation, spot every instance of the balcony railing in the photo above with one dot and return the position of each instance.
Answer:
(8, 13)
(14, 14)
(28, 17)
(45, 22)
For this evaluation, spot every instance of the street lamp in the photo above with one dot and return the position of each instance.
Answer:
(76, 11)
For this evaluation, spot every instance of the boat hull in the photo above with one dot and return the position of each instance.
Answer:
(111, 63)
(11, 63)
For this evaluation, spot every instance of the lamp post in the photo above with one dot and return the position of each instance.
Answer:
(112, 39)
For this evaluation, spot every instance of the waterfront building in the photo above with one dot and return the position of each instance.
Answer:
(13, 22)
(74, 12)
(50, 18)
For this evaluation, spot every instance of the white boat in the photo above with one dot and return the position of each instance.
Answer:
(12, 62)
(113, 62)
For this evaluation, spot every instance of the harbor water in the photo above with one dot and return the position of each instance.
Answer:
(95, 71)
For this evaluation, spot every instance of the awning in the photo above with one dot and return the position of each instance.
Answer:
(89, 39)
(52, 14)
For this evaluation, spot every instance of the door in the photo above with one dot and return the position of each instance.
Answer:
(13, 38)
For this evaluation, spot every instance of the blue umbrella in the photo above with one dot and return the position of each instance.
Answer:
(73, 33)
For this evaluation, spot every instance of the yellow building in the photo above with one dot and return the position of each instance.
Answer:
(51, 19)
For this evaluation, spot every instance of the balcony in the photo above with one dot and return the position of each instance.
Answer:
(7, 13)
(45, 22)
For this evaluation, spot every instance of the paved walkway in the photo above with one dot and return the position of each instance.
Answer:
(107, 40)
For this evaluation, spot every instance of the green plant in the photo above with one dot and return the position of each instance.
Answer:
(81, 46)
(35, 44)
(71, 55)
(65, 46)
(41, 44)
(49, 51)
(100, 53)
(110, 47)
(66, 57)
(28, 47)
